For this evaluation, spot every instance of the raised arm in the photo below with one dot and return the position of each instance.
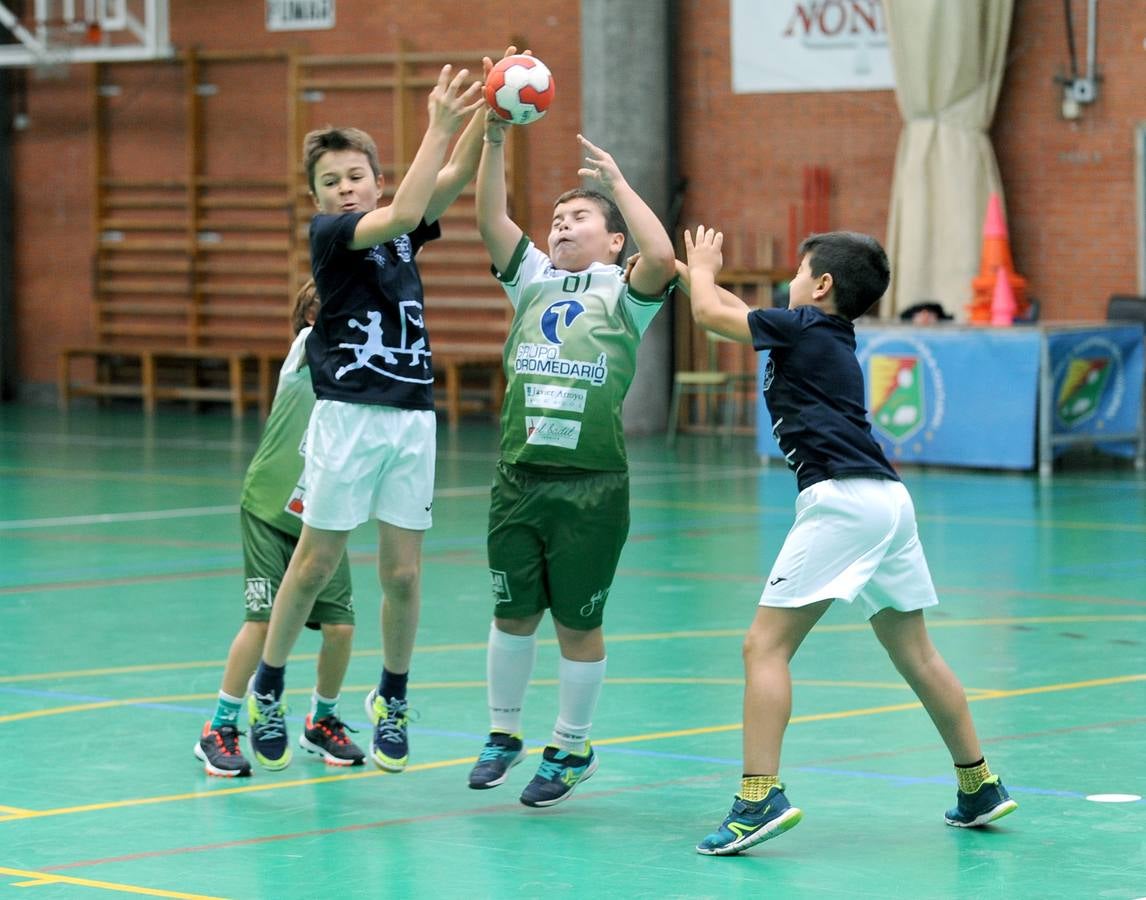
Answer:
(459, 168)
(724, 314)
(448, 105)
(656, 264)
(498, 231)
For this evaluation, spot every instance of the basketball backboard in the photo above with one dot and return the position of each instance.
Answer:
(58, 32)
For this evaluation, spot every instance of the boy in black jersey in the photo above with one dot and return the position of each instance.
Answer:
(854, 538)
(371, 439)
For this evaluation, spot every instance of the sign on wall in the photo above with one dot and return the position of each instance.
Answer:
(299, 15)
(783, 46)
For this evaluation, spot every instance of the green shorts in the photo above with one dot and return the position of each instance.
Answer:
(266, 554)
(554, 542)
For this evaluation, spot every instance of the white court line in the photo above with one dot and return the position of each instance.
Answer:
(199, 511)
(108, 518)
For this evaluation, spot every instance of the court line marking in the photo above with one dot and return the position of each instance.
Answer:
(373, 652)
(438, 685)
(603, 742)
(39, 879)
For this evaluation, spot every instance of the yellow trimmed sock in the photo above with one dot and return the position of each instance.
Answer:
(756, 787)
(973, 777)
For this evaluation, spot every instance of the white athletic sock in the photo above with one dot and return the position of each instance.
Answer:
(508, 666)
(579, 687)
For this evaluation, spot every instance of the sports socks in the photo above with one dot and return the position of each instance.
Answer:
(756, 787)
(508, 666)
(227, 710)
(321, 707)
(268, 680)
(392, 686)
(579, 687)
(972, 776)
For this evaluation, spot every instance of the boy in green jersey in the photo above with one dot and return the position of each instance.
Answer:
(559, 512)
(272, 503)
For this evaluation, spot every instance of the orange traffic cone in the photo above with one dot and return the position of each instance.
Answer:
(995, 262)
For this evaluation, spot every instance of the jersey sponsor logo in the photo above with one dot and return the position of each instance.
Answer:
(1090, 382)
(499, 581)
(543, 359)
(257, 594)
(906, 394)
(411, 343)
(548, 396)
(552, 432)
(558, 316)
(404, 248)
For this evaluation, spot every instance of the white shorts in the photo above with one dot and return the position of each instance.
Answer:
(853, 538)
(369, 462)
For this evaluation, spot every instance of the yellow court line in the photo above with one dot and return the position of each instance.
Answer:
(13, 809)
(39, 879)
(630, 739)
(429, 686)
(548, 642)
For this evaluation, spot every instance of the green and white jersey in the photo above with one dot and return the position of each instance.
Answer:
(569, 361)
(273, 489)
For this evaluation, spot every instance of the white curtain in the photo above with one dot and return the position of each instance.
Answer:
(949, 57)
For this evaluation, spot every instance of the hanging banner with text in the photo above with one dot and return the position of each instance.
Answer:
(783, 46)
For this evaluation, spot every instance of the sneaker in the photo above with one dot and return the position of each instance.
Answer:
(268, 736)
(327, 737)
(219, 750)
(500, 754)
(987, 804)
(559, 773)
(389, 747)
(751, 822)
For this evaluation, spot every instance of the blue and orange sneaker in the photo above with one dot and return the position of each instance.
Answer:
(987, 804)
(749, 823)
(327, 738)
(268, 737)
(500, 754)
(559, 773)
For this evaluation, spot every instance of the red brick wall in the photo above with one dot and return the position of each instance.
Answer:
(1069, 185)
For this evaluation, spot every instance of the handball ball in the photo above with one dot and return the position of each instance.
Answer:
(519, 89)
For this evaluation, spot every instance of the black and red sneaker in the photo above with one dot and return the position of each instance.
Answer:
(327, 737)
(219, 750)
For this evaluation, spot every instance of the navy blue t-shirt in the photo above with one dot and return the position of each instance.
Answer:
(814, 389)
(370, 343)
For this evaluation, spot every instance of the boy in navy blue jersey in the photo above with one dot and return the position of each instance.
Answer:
(854, 538)
(371, 438)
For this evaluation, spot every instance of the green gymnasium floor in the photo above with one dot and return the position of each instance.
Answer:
(120, 590)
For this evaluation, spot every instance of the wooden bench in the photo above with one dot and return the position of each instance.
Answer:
(135, 371)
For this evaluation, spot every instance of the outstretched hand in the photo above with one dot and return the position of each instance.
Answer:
(600, 166)
(449, 104)
(703, 251)
(495, 125)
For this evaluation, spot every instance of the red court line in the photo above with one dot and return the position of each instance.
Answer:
(501, 808)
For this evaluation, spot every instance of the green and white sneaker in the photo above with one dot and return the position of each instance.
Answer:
(749, 823)
(987, 804)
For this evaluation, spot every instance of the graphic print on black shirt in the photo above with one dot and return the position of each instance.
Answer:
(814, 390)
(370, 343)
